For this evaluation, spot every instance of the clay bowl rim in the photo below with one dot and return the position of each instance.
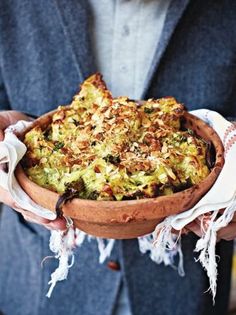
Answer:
(116, 208)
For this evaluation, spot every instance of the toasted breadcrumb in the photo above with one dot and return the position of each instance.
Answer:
(117, 147)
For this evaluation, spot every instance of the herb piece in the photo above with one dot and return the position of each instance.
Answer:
(182, 138)
(47, 134)
(190, 132)
(148, 110)
(76, 122)
(93, 195)
(58, 146)
(112, 159)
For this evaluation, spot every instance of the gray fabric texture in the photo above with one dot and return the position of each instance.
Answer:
(45, 52)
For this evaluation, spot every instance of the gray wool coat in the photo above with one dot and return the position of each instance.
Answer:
(44, 54)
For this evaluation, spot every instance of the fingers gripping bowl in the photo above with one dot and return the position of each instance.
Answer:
(118, 167)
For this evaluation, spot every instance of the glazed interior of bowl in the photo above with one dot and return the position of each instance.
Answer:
(129, 218)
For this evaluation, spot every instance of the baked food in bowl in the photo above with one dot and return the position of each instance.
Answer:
(116, 166)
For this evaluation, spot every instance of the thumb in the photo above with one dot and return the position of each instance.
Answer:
(1, 135)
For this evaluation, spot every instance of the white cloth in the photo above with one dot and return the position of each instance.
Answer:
(162, 245)
(61, 243)
(11, 152)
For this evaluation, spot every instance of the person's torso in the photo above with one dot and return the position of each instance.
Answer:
(49, 55)
(44, 55)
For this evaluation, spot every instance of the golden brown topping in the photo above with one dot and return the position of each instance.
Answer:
(118, 148)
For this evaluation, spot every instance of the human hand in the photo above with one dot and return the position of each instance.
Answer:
(8, 118)
(227, 233)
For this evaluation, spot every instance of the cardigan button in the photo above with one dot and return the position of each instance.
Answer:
(113, 265)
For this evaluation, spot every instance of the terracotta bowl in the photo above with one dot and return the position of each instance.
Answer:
(130, 218)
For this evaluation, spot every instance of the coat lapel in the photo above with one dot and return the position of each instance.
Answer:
(173, 16)
(74, 16)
